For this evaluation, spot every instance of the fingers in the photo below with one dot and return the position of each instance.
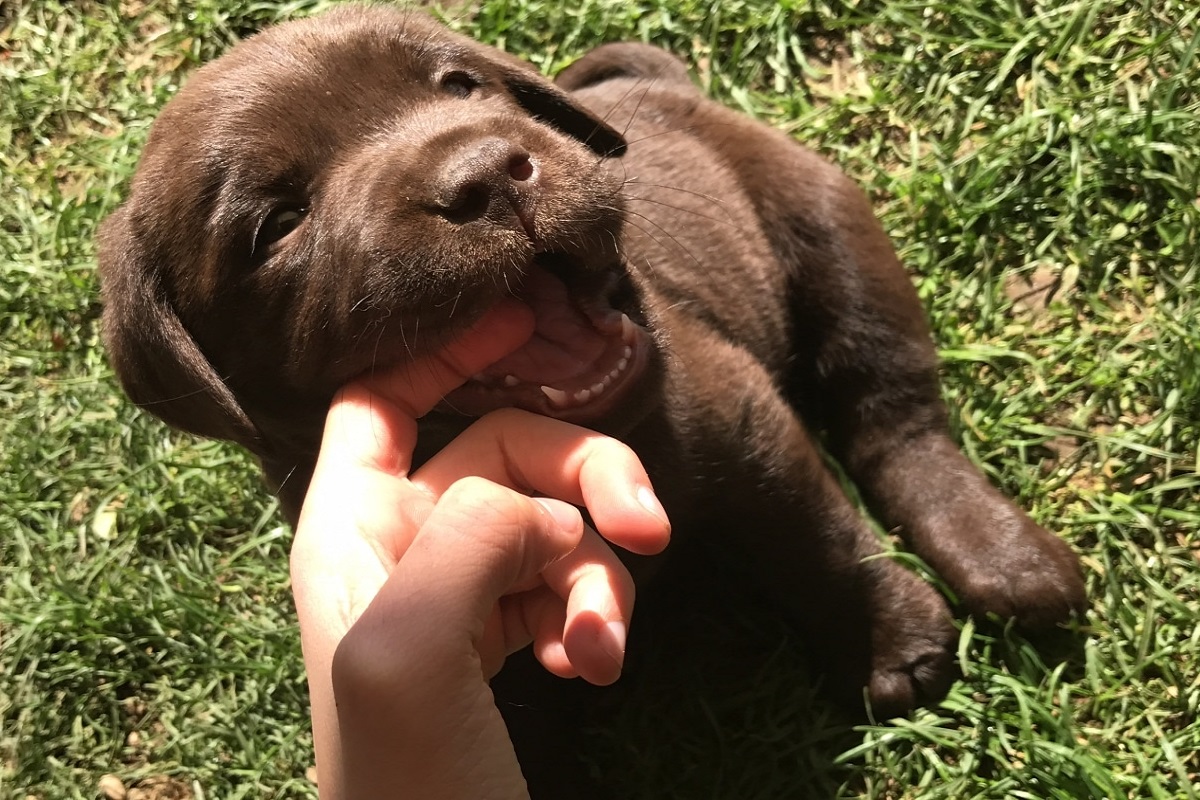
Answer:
(416, 387)
(599, 594)
(531, 453)
(462, 560)
(411, 706)
(578, 620)
(485, 547)
(479, 542)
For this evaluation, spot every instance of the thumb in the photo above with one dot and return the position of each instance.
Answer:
(480, 542)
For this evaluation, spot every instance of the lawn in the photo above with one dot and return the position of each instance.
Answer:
(1038, 165)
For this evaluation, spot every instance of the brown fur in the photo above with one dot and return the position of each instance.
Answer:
(772, 305)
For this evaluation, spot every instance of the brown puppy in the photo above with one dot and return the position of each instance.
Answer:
(340, 193)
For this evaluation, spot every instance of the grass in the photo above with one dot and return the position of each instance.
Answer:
(1038, 165)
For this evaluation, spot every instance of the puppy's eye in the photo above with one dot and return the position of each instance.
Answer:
(277, 225)
(459, 83)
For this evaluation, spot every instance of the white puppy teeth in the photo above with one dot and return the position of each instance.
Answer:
(511, 380)
(557, 397)
(628, 330)
(562, 399)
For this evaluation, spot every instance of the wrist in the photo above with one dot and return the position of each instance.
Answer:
(420, 727)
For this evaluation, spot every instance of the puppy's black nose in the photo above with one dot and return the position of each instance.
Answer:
(476, 176)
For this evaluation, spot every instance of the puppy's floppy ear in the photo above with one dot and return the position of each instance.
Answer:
(547, 102)
(155, 358)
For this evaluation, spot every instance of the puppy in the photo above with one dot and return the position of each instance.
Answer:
(341, 193)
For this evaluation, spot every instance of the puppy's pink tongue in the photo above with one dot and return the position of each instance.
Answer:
(565, 343)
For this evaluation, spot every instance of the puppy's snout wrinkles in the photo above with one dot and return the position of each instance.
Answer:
(492, 177)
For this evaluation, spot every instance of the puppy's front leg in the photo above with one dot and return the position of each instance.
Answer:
(767, 498)
(865, 367)
(876, 370)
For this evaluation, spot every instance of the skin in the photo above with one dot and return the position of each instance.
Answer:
(413, 586)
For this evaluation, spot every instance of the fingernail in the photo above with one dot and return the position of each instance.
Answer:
(566, 515)
(649, 501)
(614, 642)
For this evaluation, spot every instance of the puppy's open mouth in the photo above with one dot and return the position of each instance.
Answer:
(584, 357)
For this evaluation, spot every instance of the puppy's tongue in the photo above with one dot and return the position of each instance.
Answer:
(565, 342)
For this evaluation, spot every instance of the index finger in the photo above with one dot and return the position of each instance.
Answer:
(535, 454)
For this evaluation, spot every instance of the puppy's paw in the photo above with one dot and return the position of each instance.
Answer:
(1018, 571)
(912, 644)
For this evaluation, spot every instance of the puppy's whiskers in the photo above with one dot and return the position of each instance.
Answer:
(608, 114)
(726, 221)
(685, 129)
(378, 339)
(208, 386)
(404, 343)
(682, 248)
(707, 197)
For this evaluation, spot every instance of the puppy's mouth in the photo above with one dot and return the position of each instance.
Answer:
(583, 359)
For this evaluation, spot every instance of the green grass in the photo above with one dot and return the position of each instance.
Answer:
(1038, 165)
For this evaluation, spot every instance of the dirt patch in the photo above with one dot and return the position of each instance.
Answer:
(160, 787)
(155, 787)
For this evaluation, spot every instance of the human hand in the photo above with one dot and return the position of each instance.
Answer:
(473, 570)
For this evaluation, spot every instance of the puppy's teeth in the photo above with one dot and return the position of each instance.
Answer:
(609, 322)
(628, 353)
(511, 380)
(612, 376)
(597, 389)
(628, 329)
(557, 397)
(623, 363)
(608, 379)
(583, 395)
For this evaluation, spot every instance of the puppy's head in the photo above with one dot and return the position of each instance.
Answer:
(342, 193)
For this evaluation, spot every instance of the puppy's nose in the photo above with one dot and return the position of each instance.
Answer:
(477, 175)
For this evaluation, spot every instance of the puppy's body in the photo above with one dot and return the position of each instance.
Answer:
(338, 194)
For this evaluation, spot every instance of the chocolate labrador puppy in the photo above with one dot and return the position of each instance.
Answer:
(341, 193)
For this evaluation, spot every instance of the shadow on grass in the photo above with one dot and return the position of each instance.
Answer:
(718, 699)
